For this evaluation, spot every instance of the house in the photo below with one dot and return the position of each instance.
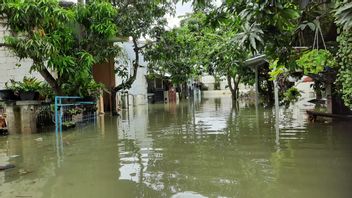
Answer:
(138, 92)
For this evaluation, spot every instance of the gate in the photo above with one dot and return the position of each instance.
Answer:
(71, 111)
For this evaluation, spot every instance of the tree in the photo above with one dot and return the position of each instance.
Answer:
(64, 40)
(197, 47)
(138, 19)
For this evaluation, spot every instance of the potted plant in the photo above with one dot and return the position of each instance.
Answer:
(28, 89)
(319, 65)
(68, 125)
(91, 91)
(77, 114)
(8, 94)
(314, 61)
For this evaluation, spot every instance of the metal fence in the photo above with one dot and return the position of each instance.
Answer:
(70, 112)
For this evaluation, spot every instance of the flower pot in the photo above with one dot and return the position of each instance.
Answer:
(29, 95)
(7, 94)
(77, 118)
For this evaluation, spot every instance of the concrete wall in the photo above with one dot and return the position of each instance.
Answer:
(209, 81)
(8, 68)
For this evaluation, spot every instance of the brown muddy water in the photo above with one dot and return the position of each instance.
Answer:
(205, 149)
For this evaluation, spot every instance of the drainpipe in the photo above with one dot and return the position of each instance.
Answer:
(256, 85)
(277, 114)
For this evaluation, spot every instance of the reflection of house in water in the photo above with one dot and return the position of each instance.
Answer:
(139, 128)
(135, 145)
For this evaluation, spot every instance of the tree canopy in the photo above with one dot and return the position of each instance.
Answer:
(63, 40)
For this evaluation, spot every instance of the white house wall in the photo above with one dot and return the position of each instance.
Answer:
(140, 85)
(8, 62)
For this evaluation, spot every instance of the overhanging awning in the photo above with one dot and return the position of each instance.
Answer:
(255, 61)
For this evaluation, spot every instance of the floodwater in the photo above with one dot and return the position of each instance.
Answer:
(201, 149)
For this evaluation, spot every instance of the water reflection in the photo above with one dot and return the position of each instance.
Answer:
(199, 149)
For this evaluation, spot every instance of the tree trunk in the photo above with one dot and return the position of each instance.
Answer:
(113, 103)
(51, 81)
(133, 77)
(232, 89)
(129, 81)
(236, 85)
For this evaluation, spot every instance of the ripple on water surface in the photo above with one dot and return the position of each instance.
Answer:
(201, 149)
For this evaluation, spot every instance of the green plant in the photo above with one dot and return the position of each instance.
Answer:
(343, 14)
(68, 124)
(65, 40)
(314, 61)
(345, 63)
(276, 69)
(291, 95)
(46, 91)
(28, 84)
(75, 111)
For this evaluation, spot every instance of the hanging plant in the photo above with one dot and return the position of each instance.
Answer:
(315, 61)
(291, 96)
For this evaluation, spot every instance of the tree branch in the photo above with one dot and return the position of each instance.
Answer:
(51, 81)
(132, 78)
(141, 47)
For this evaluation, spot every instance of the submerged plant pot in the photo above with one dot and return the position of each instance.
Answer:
(77, 118)
(68, 126)
(4, 131)
(8, 94)
(29, 95)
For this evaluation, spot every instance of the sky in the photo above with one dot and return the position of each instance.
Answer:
(181, 10)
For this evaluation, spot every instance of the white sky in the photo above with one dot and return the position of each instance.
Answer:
(181, 10)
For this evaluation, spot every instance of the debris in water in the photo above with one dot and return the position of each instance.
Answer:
(39, 139)
(24, 172)
(7, 166)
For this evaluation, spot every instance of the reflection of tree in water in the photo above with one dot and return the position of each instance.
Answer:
(229, 164)
(242, 160)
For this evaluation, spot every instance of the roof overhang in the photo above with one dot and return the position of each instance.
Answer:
(255, 61)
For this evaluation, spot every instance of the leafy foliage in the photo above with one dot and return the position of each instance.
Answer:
(343, 14)
(67, 41)
(28, 84)
(314, 61)
(276, 69)
(197, 47)
(345, 63)
(135, 20)
(291, 95)
(250, 36)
